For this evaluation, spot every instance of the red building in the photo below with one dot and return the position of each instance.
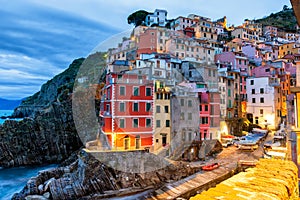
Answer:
(126, 111)
(204, 108)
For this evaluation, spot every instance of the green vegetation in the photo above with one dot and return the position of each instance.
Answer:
(285, 19)
(137, 18)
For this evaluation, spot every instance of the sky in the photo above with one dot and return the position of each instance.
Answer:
(39, 39)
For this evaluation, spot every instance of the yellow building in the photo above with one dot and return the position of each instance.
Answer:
(286, 49)
(162, 116)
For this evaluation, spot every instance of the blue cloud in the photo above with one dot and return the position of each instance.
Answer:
(38, 42)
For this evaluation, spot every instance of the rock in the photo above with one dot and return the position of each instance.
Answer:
(35, 197)
(41, 188)
(50, 137)
(47, 195)
(91, 177)
(47, 183)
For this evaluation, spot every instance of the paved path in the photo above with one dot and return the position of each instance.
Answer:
(202, 180)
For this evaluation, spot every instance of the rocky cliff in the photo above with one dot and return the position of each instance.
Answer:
(48, 133)
(49, 92)
(49, 137)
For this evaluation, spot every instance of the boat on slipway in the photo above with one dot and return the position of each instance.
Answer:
(210, 167)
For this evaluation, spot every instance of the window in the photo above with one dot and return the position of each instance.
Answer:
(135, 107)
(167, 123)
(182, 116)
(253, 91)
(253, 100)
(204, 120)
(122, 123)
(256, 120)
(182, 102)
(148, 107)
(189, 103)
(157, 109)
(107, 108)
(157, 123)
(135, 123)
(261, 111)
(136, 91)
(189, 116)
(262, 100)
(206, 107)
(148, 122)
(122, 107)
(261, 90)
(209, 72)
(200, 107)
(251, 82)
(122, 90)
(148, 91)
(229, 92)
(212, 110)
(166, 109)
(229, 83)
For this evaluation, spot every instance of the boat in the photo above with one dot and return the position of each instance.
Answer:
(211, 167)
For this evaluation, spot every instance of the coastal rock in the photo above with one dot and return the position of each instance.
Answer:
(35, 197)
(50, 137)
(88, 176)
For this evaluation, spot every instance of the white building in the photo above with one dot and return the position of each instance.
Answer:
(159, 17)
(262, 101)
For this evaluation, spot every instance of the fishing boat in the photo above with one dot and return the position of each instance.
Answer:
(211, 167)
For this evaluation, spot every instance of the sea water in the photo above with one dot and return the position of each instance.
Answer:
(5, 113)
(13, 180)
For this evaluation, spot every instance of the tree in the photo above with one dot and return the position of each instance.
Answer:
(137, 18)
(285, 8)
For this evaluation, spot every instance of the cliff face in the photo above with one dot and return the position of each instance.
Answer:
(49, 92)
(49, 137)
(49, 134)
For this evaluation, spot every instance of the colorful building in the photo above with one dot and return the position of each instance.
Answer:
(126, 111)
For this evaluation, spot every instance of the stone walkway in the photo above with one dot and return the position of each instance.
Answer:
(203, 180)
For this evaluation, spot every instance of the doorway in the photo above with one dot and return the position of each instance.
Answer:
(126, 142)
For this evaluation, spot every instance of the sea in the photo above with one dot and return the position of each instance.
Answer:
(6, 113)
(12, 180)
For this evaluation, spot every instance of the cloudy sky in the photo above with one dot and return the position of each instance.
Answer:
(39, 39)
